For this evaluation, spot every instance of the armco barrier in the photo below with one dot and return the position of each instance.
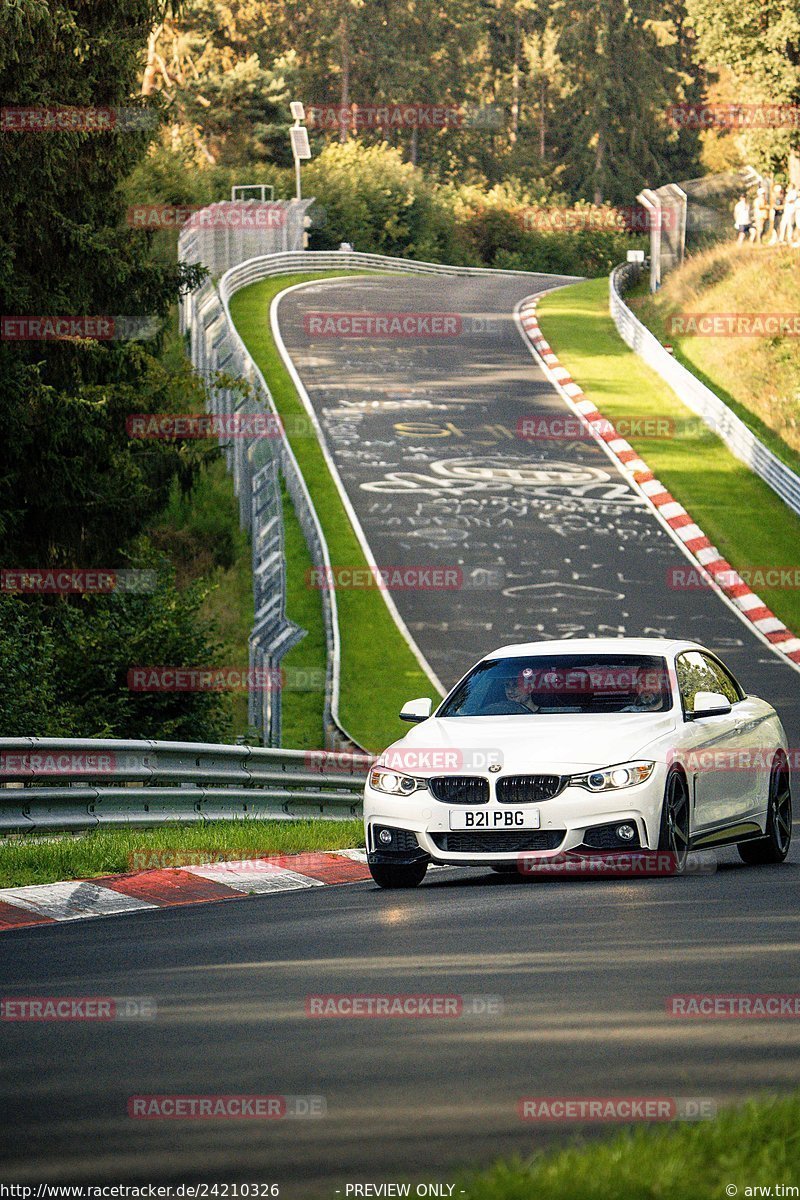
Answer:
(83, 783)
(216, 347)
(740, 440)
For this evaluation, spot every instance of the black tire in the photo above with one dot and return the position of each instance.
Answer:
(405, 875)
(774, 846)
(674, 832)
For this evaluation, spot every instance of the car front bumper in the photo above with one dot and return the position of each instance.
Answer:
(564, 823)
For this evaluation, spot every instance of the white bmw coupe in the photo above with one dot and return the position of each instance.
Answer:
(581, 748)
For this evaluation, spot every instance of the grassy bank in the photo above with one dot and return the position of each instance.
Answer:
(758, 377)
(302, 707)
(757, 1145)
(379, 672)
(740, 514)
(112, 851)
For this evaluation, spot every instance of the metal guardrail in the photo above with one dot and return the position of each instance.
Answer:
(351, 260)
(714, 413)
(83, 783)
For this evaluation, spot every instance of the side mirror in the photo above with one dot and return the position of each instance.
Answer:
(416, 710)
(709, 704)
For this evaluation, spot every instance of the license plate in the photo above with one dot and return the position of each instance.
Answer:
(494, 818)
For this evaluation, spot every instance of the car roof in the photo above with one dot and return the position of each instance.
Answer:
(620, 645)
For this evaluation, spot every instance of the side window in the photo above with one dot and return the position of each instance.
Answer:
(695, 675)
(726, 684)
(698, 673)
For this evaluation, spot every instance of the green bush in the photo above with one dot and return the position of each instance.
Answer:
(65, 664)
(369, 196)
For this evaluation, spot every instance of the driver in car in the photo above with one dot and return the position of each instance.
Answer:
(648, 694)
(518, 691)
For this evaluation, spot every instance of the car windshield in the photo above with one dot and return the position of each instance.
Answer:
(562, 683)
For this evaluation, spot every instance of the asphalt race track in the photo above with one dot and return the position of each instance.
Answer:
(581, 969)
(551, 540)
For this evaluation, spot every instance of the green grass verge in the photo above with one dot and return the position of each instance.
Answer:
(757, 1145)
(302, 711)
(379, 672)
(736, 510)
(110, 851)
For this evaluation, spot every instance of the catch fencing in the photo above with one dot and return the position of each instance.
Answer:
(691, 215)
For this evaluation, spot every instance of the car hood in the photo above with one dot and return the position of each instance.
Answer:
(537, 743)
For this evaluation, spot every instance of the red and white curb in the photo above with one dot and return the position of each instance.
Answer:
(46, 903)
(711, 563)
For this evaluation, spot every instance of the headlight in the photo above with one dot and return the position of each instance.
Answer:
(394, 782)
(610, 778)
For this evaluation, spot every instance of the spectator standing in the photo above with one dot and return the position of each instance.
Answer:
(760, 214)
(776, 213)
(741, 218)
(787, 221)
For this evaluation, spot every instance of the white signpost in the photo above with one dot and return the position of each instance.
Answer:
(300, 147)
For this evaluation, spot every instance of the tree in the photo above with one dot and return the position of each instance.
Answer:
(624, 78)
(758, 42)
(70, 479)
(528, 81)
(222, 103)
(75, 490)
